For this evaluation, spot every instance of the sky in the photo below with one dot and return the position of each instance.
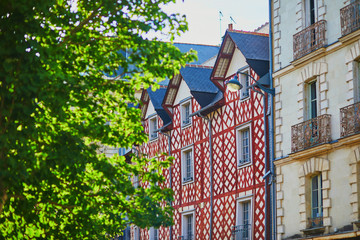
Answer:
(204, 22)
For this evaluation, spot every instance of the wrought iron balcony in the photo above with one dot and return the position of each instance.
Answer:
(350, 119)
(309, 39)
(315, 222)
(350, 18)
(310, 133)
(241, 232)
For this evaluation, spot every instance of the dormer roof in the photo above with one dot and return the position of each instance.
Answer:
(197, 78)
(156, 98)
(253, 46)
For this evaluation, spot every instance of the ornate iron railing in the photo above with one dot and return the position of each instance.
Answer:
(350, 18)
(241, 232)
(315, 222)
(309, 39)
(310, 133)
(350, 119)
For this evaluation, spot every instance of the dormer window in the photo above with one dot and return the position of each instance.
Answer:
(185, 113)
(245, 82)
(152, 128)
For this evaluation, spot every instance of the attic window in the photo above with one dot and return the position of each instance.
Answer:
(245, 82)
(152, 128)
(185, 113)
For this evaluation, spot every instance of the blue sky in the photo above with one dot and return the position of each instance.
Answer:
(203, 17)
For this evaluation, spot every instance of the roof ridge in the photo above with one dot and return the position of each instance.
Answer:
(249, 32)
(199, 66)
(260, 27)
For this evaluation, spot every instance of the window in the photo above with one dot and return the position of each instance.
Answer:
(357, 81)
(154, 233)
(136, 233)
(242, 230)
(310, 12)
(153, 128)
(188, 226)
(136, 181)
(312, 99)
(316, 219)
(187, 165)
(185, 113)
(245, 82)
(243, 145)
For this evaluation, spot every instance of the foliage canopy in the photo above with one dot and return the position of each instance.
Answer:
(55, 103)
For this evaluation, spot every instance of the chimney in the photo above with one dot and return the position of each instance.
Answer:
(230, 26)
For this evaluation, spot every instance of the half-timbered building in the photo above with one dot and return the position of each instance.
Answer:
(217, 141)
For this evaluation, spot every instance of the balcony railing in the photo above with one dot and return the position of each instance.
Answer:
(241, 232)
(309, 39)
(350, 119)
(350, 18)
(315, 222)
(310, 133)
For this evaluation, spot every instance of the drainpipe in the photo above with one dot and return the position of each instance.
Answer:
(267, 168)
(271, 126)
(211, 174)
(170, 174)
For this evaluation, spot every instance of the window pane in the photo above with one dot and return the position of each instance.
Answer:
(316, 196)
(189, 226)
(312, 100)
(245, 213)
(245, 149)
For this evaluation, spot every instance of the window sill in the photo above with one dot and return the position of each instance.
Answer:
(186, 182)
(153, 139)
(183, 126)
(243, 99)
(244, 164)
(314, 231)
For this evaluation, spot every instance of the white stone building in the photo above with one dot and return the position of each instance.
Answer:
(317, 117)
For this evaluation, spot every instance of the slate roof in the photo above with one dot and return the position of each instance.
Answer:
(156, 99)
(205, 52)
(253, 46)
(199, 83)
(198, 79)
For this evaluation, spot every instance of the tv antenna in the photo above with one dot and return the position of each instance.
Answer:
(232, 20)
(220, 16)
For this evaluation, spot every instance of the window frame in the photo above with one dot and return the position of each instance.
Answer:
(136, 181)
(308, 101)
(185, 121)
(184, 215)
(184, 151)
(239, 212)
(356, 73)
(320, 199)
(136, 233)
(244, 80)
(307, 12)
(153, 135)
(152, 232)
(239, 147)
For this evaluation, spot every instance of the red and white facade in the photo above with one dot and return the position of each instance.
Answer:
(238, 187)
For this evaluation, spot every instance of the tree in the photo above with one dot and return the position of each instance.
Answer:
(55, 106)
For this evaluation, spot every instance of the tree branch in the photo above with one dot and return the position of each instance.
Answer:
(81, 25)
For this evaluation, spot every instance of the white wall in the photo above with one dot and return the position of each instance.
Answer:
(238, 61)
(183, 92)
